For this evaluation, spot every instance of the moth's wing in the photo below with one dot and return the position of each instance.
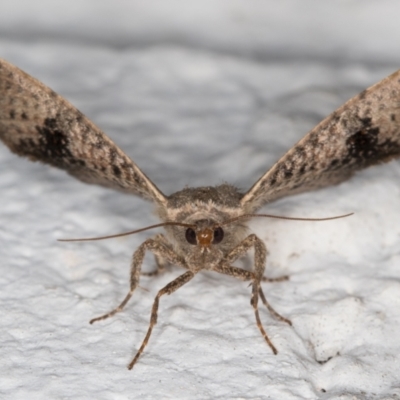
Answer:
(362, 132)
(39, 124)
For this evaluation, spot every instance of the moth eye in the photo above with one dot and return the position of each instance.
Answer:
(218, 235)
(190, 236)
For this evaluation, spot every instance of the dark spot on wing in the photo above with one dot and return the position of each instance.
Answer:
(275, 177)
(363, 143)
(25, 147)
(288, 173)
(112, 153)
(79, 116)
(53, 143)
(116, 170)
(335, 117)
(335, 162)
(362, 95)
(12, 114)
(365, 148)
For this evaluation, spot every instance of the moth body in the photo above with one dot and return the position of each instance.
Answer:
(206, 226)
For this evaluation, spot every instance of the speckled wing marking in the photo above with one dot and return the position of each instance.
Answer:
(362, 132)
(39, 124)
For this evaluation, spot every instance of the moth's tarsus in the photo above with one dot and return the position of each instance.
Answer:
(205, 228)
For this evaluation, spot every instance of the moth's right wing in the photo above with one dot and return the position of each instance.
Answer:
(37, 123)
(362, 132)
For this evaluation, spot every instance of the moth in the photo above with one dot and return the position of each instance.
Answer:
(205, 227)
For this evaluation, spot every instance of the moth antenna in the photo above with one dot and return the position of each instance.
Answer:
(229, 221)
(168, 223)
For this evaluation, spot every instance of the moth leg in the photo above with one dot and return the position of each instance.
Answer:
(271, 310)
(247, 276)
(242, 248)
(168, 289)
(260, 256)
(236, 272)
(278, 279)
(161, 262)
(153, 245)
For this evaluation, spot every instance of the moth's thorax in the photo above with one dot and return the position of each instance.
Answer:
(210, 202)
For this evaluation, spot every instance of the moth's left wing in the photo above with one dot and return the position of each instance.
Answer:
(37, 123)
(362, 132)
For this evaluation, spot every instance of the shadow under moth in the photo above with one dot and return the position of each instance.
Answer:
(205, 227)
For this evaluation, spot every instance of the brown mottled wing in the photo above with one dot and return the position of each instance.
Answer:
(39, 124)
(362, 132)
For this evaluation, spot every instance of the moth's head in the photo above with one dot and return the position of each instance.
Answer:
(206, 238)
(204, 234)
(203, 242)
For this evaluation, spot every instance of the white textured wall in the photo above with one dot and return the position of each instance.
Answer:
(199, 93)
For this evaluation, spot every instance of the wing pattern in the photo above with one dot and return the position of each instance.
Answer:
(37, 123)
(362, 132)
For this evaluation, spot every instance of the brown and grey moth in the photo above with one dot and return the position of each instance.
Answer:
(205, 227)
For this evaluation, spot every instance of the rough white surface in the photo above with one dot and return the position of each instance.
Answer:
(197, 95)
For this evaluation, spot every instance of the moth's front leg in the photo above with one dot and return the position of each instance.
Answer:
(260, 261)
(159, 248)
(260, 258)
(161, 262)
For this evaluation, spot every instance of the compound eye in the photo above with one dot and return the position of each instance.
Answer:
(218, 235)
(190, 236)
